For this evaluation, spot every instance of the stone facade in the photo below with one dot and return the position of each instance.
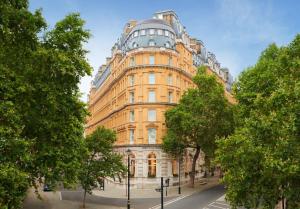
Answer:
(151, 66)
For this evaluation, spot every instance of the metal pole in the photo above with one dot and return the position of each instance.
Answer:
(162, 193)
(128, 182)
(179, 188)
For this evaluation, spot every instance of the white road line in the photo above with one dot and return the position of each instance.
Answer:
(169, 202)
(212, 205)
(59, 193)
(222, 203)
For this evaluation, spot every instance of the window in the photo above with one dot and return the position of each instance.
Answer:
(172, 35)
(143, 32)
(167, 44)
(131, 116)
(151, 60)
(151, 115)
(151, 78)
(159, 32)
(151, 96)
(132, 61)
(131, 136)
(131, 80)
(170, 61)
(170, 96)
(136, 33)
(166, 33)
(151, 43)
(170, 79)
(131, 97)
(151, 165)
(134, 45)
(151, 31)
(151, 135)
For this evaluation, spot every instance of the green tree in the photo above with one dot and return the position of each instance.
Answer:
(262, 158)
(202, 115)
(41, 116)
(99, 161)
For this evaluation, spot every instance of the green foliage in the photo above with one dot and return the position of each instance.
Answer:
(41, 116)
(99, 161)
(202, 115)
(262, 157)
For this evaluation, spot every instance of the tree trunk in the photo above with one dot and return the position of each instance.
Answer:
(84, 196)
(195, 158)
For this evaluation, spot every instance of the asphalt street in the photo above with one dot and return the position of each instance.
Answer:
(204, 199)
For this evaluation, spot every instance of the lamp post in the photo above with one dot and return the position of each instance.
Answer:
(179, 171)
(128, 178)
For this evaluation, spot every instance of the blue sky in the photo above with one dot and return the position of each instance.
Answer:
(235, 30)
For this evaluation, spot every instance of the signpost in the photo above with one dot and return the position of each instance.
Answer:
(161, 190)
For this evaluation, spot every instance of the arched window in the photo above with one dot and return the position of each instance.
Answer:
(132, 165)
(151, 42)
(167, 44)
(134, 45)
(151, 165)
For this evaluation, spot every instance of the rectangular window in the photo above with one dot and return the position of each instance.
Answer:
(131, 80)
(170, 96)
(151, 78)
(151, 60)
(169, 79)
(151, 96)
(131, 97)
(143, 32)
(132, 61)
(131, 136)
(151, 115)
(131, 116)
(136, 33)
(166, 33)
(160, 32)
(151, 135)
(170, 61)
(151, 31)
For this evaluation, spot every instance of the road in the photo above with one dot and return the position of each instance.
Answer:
(205, 199)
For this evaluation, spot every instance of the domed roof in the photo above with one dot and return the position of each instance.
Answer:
(152, 23)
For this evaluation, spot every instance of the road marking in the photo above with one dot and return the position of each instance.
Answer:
(212, 204)
(222, 203)
(169, 202)
(60, 198)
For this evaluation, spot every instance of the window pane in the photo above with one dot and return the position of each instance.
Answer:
(131, 136)
(151, 43)
(151, 78)
(132, 61)
(152, 136)
(169, 80)
(131, 80)
(152, 31)
(151, 60)
(151, 115)
(166, 33)
(159, 32)
(131, 97)
(131, 116)
(151, 96)
(143, 32)
(170, 97)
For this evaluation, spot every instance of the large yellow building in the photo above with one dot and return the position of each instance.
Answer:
(151, 66)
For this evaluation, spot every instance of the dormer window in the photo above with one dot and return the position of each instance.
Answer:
(134, 45)
(151, 31)
(143, 32)
(136, 33)
(151, 43)
(168, 45)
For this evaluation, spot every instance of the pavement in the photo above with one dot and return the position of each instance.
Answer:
(117, 192)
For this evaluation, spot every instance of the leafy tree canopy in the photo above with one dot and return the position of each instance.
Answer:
(262, 157)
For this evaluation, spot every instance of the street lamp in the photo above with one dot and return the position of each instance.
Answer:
(128, 177)
(179, 171)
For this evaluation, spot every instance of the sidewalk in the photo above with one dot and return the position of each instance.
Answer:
(114, 192)
(52, 200)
